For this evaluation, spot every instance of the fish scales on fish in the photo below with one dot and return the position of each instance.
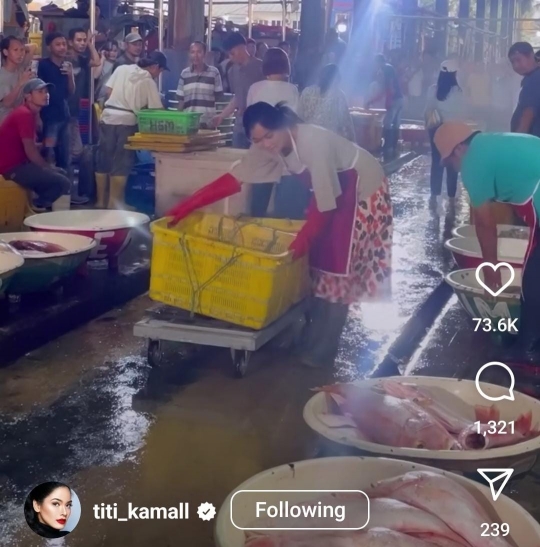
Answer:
(428, 418)
(389, 420)
(45, 247)
(444, 497)
(383, 513)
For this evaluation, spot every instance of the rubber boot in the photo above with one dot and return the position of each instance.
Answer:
(101, 190)
(117, 193)
(387, 146)
(395, 142)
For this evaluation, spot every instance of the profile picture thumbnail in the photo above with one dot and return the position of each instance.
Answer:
(52, 510)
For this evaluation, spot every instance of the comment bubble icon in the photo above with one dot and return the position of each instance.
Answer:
(509, 396)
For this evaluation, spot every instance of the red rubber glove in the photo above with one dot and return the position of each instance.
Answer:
(221, 188)
(315, 224)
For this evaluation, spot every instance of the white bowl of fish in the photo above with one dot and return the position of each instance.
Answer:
(503, 230)
(410, 505)
(443, 421)
(48, 258)
(468, 254)
(10, 263)
(112, 229)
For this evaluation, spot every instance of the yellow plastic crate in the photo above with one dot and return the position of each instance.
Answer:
(13, 206)
(237, 270)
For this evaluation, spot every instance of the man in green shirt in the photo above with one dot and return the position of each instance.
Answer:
(502, 167)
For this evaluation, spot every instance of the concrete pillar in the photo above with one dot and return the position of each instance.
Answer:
(312, 25)
(441, 32)
(186, 22)
(511, 17)
(312, 36)
(464, 12)
(504, 27)
(494, 27)
(410, 7)
(480, 25)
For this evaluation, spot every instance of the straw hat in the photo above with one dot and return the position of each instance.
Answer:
(449, 135)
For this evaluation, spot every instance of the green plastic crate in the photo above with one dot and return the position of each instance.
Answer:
(167, 122)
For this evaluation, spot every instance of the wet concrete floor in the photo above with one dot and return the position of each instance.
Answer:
(88, 410)
(419, 265)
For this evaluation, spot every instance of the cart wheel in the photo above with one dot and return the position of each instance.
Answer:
(240, 361)
(155, 353)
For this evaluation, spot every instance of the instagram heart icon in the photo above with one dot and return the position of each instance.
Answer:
(495, 267)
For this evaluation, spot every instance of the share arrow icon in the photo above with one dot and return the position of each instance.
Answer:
(501, 474)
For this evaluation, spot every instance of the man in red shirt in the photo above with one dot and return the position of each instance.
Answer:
(21, 160)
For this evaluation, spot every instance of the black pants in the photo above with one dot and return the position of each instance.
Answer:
(48, 184)
(437, 172)
(529, 326)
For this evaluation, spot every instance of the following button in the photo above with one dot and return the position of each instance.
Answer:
(299, 509)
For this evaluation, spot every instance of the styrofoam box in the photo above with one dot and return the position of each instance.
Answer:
(178, 176)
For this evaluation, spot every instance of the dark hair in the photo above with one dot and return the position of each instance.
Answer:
(109, 44)
(276, 61)
(250, 41)
(445, 83)
(521, 47)
(220, 54)
(380, 58)
(50, 38)
(199, 43)
(328, 76)
(6, 42)
(74, 31)
(233, 40)
(145, 62)
(38, 494)
(270, 117)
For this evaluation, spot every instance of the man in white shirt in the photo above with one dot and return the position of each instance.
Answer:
(131, 89)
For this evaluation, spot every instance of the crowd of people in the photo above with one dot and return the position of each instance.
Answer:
(448, 100)
(250, 72)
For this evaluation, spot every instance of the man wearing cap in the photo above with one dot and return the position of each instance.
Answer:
(246, 71)
(502, 167)
(21, 160)
(133, 49)
(131, 88)
(526, 117)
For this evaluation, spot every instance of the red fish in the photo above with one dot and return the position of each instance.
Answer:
(40, 246)
(390, 421)
(443, 497)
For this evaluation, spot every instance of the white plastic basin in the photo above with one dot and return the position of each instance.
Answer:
(463, 248)
(350, 473)
(91, 220)
(465, 390)
(503, 230)
(73, 243)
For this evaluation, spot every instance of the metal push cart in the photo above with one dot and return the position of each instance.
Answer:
(164, 323)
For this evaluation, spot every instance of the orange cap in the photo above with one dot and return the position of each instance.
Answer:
(449, 135)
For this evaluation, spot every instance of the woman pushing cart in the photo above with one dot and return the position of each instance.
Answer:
(348, 231)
